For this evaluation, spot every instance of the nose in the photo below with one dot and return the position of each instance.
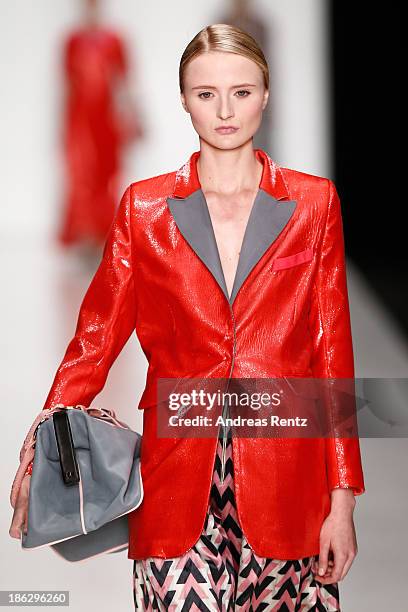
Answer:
(225, 109)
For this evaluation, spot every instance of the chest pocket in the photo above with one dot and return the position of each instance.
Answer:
(281, 263)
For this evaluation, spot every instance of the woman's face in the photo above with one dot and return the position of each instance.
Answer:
(224, 89)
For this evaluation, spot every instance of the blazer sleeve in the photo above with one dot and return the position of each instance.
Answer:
(333, 358)
(105, 321)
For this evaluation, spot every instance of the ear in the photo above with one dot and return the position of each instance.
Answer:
(183, 102)
(265, 99)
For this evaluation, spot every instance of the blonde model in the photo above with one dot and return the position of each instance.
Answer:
(230, 267)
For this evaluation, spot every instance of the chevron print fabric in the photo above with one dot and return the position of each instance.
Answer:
(222, 573)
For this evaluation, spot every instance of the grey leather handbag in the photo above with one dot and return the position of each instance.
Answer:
(86, 478)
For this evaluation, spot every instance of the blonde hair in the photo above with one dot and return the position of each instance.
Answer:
(223, 37)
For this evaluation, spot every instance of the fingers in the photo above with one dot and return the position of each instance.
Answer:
(18, 522)
(339, 561)
(20, 516)
(338, 548)
(338, 569)
(315, 566)
(323, 557)
(327, 577)
(347, 565)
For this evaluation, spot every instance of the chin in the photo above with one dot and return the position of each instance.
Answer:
(223, 143)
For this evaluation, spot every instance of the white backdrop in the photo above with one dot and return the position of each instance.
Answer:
(157, 33)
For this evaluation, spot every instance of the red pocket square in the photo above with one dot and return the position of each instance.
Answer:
(292, 260)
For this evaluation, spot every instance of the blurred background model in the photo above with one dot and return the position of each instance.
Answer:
(99, 120)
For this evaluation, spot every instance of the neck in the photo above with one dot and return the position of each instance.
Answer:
(229, 172)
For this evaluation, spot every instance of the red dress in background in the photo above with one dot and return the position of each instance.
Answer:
(93, 133)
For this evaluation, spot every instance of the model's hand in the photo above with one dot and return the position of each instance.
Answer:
(19, 519)
(338, 542)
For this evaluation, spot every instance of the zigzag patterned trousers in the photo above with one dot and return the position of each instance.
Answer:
(221, 572)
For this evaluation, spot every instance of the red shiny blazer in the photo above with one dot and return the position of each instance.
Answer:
(288, 315)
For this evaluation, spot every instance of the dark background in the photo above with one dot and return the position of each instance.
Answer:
(370, 170)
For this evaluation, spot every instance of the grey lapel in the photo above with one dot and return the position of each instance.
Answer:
(267, 219)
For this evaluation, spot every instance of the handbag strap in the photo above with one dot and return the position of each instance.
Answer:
(66, 450)
(27, 450)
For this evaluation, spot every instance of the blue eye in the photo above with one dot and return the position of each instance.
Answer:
(202, 93)
(243, 91)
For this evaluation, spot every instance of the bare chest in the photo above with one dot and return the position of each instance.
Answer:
(229, 218)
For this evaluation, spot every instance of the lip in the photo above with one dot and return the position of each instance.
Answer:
(228, 129)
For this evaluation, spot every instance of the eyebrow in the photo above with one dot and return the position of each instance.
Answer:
(232, 87)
